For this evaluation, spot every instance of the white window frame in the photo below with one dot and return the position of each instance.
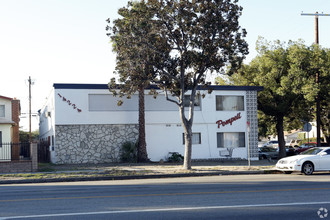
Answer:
(109, 103)
(230, 106)
(236, 142)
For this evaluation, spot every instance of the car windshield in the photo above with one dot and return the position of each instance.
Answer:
(312, 151)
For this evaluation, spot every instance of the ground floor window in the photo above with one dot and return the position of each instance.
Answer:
(196, 138)
(230, 139)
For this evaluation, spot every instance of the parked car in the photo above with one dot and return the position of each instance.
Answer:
(292, 143)
(290, 150)
(313, 159)
(273, 144)
(266, 152)
(272, 153)
(304, 147)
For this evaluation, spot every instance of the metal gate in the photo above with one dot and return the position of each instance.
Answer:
(14, 151)
(43, 152)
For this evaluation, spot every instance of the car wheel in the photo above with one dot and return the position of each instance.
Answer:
(308, 168)
(287, 172)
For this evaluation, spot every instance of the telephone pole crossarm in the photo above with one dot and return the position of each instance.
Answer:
(314, 14)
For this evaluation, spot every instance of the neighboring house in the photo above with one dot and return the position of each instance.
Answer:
(84, 124)
(307, 132)
(310, 131)
(292, 138)
(9, 119)
(9, 124)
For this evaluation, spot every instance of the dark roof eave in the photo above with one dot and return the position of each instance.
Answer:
(105, 86)
(234, 88)
(4, 97)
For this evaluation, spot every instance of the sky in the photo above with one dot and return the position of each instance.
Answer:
(64, 41)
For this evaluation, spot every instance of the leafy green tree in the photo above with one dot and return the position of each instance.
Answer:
(324, 94)
(186, 40)
(24, 135)
(266, 125)
(200, 37)
(307, 63)
(287, 73)
(134, 59)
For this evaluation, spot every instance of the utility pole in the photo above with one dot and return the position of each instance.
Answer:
(30, 82)
(318, 105)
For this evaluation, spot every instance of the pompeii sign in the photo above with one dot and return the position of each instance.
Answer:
(228, 121)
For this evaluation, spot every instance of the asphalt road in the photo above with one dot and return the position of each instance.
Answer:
(277, 196)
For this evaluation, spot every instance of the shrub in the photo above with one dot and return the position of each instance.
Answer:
(301, 136)
(129, 152)
(175, 157)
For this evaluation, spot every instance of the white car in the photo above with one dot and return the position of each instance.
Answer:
(314, 159)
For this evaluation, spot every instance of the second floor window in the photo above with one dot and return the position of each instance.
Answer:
(229, 103)
(186, 101)
(2, 110)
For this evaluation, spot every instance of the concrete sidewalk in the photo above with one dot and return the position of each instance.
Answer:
(121, 171)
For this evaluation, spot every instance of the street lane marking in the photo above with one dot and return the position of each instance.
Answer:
(166, 210)
(163, 194)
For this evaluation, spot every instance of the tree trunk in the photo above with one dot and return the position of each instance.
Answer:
(280, 136)
(188, 148)
(325, 132)
(187, 126)
(142, 155)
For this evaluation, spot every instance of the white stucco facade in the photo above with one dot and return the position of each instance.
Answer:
(81, 119)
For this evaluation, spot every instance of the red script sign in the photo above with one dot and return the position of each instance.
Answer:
(229, 121)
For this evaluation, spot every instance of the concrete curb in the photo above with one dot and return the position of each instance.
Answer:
(156, 176)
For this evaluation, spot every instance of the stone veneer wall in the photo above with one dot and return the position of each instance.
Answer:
(91, 143)
(252, 117)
